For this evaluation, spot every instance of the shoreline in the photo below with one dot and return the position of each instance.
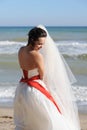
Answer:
(7, 119)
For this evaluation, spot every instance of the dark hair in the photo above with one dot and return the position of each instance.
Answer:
(34, 34)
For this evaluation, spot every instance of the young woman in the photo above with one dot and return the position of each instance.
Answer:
(44, 99)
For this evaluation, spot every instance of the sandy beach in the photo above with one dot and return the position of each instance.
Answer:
(7, 120)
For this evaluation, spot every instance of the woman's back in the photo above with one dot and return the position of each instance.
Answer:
(30, 59)
(27, 58)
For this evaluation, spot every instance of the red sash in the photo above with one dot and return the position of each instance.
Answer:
(32, 83)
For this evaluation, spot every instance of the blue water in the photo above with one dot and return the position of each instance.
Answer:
(57, 33)
(72, 43)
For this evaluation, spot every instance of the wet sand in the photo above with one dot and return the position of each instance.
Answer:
(7, 119)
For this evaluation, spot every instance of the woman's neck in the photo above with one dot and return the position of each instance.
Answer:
(30, 47)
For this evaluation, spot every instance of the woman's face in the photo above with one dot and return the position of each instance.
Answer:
(39, 43)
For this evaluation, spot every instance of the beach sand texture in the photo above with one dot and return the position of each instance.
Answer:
(7, 121)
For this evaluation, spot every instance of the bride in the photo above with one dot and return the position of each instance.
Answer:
(44, 99)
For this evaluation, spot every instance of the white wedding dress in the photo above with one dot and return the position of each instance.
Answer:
(34, 111)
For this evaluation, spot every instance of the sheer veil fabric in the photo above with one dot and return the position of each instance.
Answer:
(58, 79)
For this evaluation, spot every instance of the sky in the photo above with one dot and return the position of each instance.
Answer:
(46, 12)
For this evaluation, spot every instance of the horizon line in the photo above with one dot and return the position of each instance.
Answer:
(44, 25)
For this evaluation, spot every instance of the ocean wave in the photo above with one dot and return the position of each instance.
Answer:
(7, 91)
(71, 43)
(58, 43)
(10, 47)
(80, 93)
(82, 56)
(6, 43)
(67, 48)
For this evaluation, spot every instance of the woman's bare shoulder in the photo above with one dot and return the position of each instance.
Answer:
(36, 54)
(21, 50)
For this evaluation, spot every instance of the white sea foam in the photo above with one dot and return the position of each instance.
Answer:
(80, 93)
(6, 43)
(7, 94)
(10, 47)
(7, 90)
(70, 48)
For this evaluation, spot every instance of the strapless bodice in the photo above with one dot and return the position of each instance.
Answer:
(30, 73)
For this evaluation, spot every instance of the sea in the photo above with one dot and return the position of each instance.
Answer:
(72, 44)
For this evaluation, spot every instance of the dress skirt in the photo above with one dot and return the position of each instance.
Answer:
(34, 111)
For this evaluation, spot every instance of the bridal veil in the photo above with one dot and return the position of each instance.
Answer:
(58, 79)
